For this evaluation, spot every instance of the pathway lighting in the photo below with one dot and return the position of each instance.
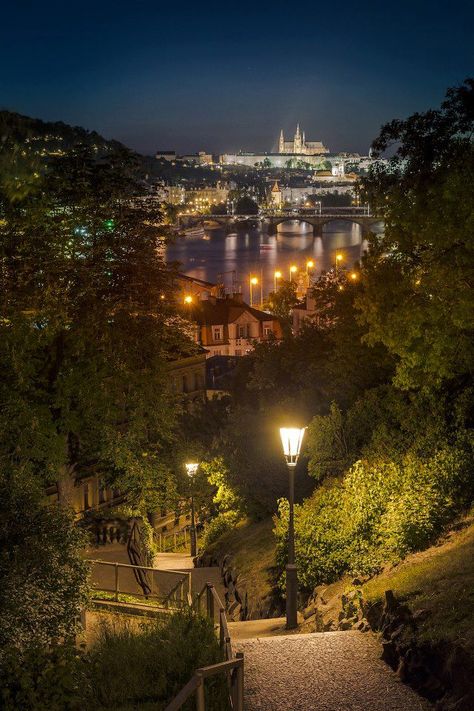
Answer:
(354, 276)
(253, 282)
(291, 439)
(277, 275)
(293, 269)
(309, 265)
(188, 299)
(191, 470)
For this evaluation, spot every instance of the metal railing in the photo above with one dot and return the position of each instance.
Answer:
(171, 589)
(172, 541)
(232, 666)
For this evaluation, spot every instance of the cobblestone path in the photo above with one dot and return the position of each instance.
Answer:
(331, 671)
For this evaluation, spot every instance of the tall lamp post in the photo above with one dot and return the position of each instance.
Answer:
(291, 439)
(191, 469)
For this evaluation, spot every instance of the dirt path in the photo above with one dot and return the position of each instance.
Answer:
(331, 671)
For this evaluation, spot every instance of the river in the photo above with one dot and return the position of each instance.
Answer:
(253, 252)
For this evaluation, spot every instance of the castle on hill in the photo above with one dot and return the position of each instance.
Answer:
(300, 146)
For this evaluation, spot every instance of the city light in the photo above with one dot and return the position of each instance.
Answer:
(310, 264)
(188, 299)
(293, 269)
(277, 275)
(353, 276)
(254, 280)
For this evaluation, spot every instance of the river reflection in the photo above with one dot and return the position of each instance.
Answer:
(258, 253)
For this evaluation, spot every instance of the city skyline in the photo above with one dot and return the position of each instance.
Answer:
(193, 79)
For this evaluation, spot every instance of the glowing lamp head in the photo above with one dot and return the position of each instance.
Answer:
(254, 280)
(291, 439)
(188, 299)
(191, 468)
(353, 276)
(277, 275)
(293, 269)
(338, 257)
(310, 264)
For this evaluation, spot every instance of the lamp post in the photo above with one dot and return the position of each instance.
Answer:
(338, 259)
(191, 469)
(291, 439)
(253, 282)
(277, 275)
(309, 265)
(293, 270)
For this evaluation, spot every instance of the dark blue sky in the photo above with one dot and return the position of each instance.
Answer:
(227, 76)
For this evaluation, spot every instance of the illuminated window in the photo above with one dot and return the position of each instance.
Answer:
(217, 333)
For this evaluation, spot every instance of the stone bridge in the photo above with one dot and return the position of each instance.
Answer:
(270, 220)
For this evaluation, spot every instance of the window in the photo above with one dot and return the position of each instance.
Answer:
(267, 330)
(217, 333)
(242, 331)
(238, 353)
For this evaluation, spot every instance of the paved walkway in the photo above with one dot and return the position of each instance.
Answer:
(330, 671)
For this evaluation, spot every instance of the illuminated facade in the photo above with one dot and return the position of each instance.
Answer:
(300, 146)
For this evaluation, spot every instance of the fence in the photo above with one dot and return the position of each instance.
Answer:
(168, 588)
(176, 540)
(232, 666)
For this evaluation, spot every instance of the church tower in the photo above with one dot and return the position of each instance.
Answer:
(303, 144)
(281, 146)
(297, 142)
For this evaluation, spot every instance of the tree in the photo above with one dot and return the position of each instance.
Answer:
(85, 334)
(282, 301)
(43, 578)
(246, 206)
(418, 275)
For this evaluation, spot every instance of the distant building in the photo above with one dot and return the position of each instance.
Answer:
(185, 285)
(275, 195)
(175, 195)
(206, 197)
(165, 155)
(300, 146)
(201, 158)
(230, 327)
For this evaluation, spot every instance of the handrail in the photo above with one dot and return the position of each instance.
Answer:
(232, 666)
(184, 576)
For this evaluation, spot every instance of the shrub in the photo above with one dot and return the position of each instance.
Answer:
(378, 512)
(219, 525)
(146, 668)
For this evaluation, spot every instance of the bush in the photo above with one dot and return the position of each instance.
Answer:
(219, 525)
(43, 578)
(379, 512)
(125, 669)
(145, 669)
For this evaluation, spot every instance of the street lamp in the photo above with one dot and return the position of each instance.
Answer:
(191, 469)
(338, 259)
(276, 276)
(291, 439)
(309, 265)
(293, 269)
(253, 282)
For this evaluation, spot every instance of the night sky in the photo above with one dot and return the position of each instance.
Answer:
(227, 76)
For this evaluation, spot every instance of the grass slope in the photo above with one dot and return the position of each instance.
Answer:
(439, 580)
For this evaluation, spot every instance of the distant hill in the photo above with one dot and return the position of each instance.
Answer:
(51, 137)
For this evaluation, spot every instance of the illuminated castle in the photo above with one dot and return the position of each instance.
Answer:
(300, 146)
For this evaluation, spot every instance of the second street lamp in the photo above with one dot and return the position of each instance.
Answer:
(291, 439)
(191, 469)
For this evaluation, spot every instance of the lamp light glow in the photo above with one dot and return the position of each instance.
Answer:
(277, 275)
(310, 264)
(254, 280)
(291, 439)
(188, 299)
(293, 268)
(191, 468)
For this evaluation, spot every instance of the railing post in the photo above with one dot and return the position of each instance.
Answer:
(116, 582)
(221, 628)
(210, 601)
(200, 697)
(239, 705)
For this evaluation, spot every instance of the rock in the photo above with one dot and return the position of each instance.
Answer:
(329, 626)
(357, 582)
(309, 611)
(390, 654)
(373, 614)
(345, 624)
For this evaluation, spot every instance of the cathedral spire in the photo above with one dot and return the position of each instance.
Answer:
(281, 147)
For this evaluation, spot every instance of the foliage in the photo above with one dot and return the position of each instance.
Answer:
(43, 679)
(246, 206)
(146, 668)
(281, 302)
(418, 290)
(224, 522)
(381, 510)
(125, 669)
(84, 335)
(43, 578)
